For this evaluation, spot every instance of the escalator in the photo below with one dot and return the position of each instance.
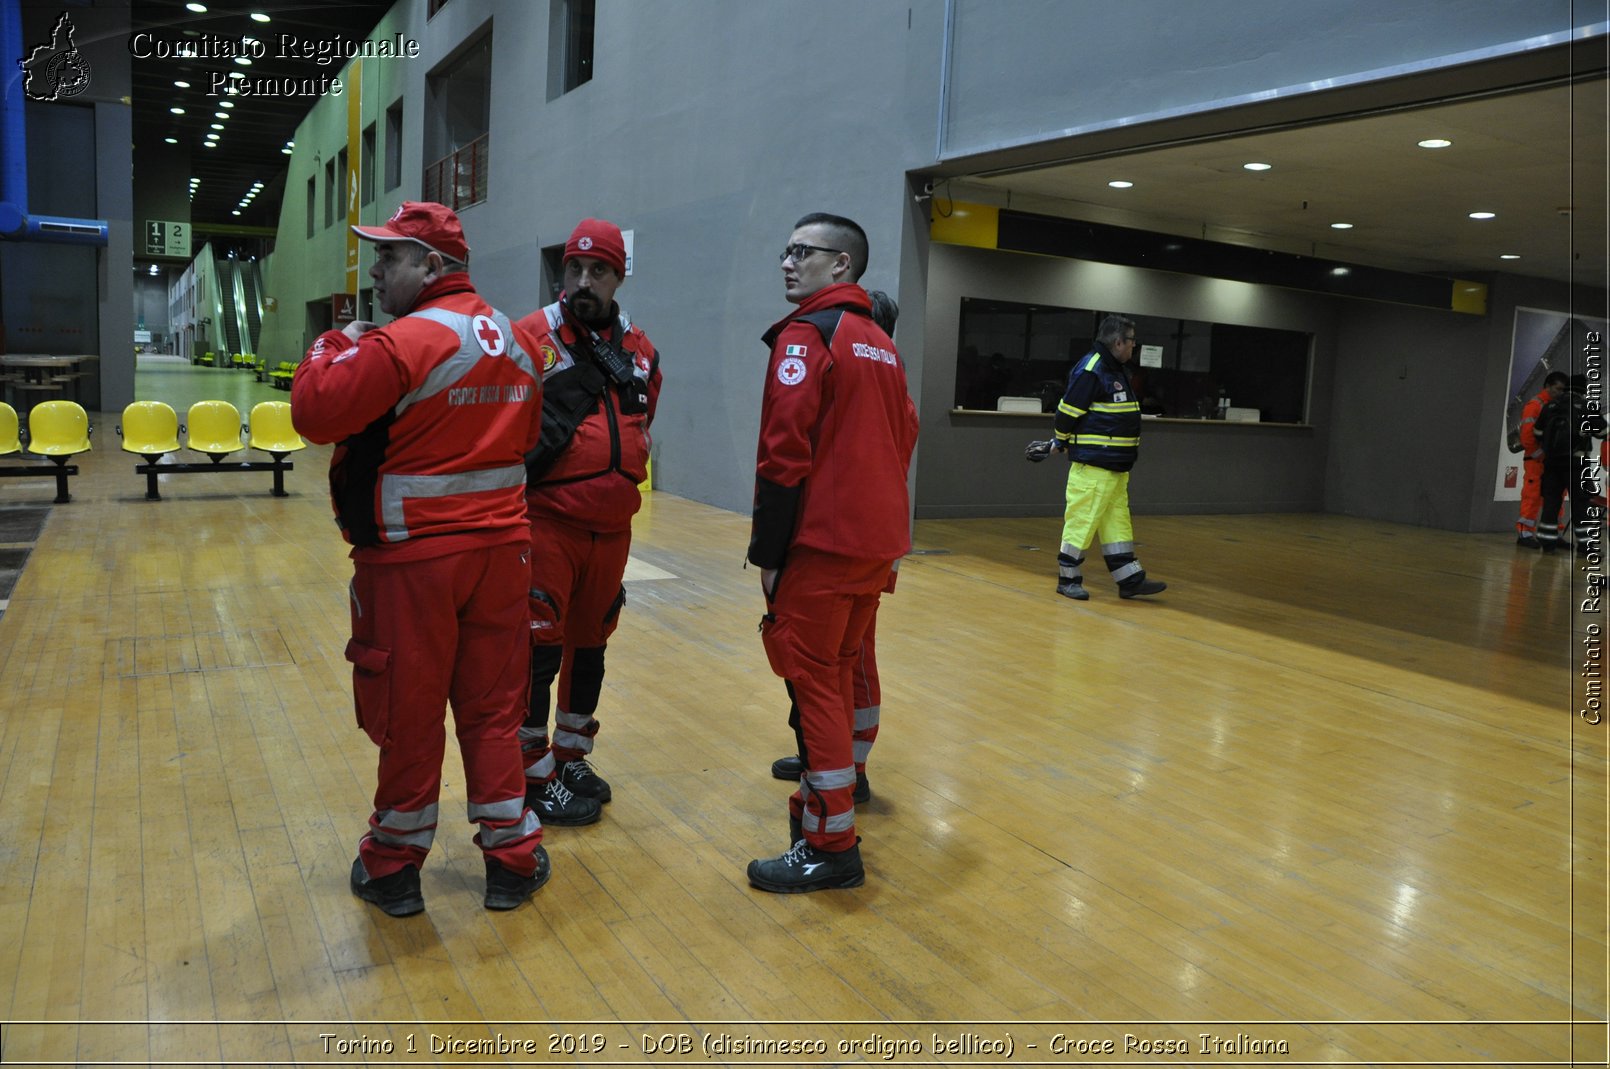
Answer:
(251, 284)
(229, 309)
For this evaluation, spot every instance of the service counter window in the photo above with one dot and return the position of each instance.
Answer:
(1013, 356)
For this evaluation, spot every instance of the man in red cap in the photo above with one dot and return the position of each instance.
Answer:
(432, 416)
(600, 385)
(831, 516)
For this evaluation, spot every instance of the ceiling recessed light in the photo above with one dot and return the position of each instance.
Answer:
(286, 151)
(216, 125)
(235, 212)
(209, 144)
(177, 111)
(1483, 215)
(1435, 142)
(1257, 166)
(1341, 226)
(244, 61)
(1120, 184)
(226, 103)
(212, 137)
(1509, 256)
(1340, 271)
(258, 16)
(200, 9)
(220, 115)
(171, 140)
(182, 85)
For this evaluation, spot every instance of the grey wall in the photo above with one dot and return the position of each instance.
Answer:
(973, 465)
(1053, 68)
(707, 134)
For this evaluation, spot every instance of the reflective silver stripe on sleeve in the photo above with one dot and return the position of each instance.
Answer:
(867, 718)
(396, 489)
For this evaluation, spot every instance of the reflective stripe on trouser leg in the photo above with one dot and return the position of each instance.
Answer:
(866, 733)
(825, 798)
(1120, 558)
(1068, 564)
(503, 823)
(396, 828)
(581, 681)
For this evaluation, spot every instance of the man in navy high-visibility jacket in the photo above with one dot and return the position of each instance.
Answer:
(1098, 425)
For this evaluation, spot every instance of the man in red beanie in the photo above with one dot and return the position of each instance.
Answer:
(432, 415)
(831, 517)
(600, 384)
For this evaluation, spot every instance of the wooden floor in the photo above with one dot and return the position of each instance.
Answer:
(1329, 791)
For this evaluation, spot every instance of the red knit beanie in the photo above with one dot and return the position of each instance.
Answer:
(599, 239)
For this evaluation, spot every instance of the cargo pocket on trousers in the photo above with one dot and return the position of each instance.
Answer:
(777, 635)
(371, 689)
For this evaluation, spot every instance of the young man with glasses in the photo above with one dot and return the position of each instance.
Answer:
(600, 386)
(1098, 426)
(831, 516)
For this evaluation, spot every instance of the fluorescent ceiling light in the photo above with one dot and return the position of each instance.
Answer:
(1435, 142)
(1120, 184)
(1257, 166)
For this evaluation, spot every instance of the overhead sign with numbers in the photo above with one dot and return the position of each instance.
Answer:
(166, 238)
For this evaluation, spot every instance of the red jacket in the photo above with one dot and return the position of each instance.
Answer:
(593, 483)
(1530, 446)
(837, 429)
(433, 414)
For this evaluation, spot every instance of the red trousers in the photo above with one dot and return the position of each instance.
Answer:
(575, 602)
(868, 695)
(821, 607)
(1532, 501)
(425, 634)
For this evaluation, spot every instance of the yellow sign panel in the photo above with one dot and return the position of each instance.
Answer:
(354, 162)
(966, 224)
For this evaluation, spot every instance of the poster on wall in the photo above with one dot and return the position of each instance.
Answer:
(1542, 342)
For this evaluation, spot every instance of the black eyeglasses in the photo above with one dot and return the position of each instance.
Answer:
(799, 251)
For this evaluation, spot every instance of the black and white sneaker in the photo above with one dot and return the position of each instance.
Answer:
(397, 895)
(805, 868)
(559, 806)
(508, 890)
(579, 776)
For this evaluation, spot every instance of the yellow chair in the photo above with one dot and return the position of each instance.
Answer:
(58, 429)
(150, 428)
(8, 430)
(214, 429)
(272, 430)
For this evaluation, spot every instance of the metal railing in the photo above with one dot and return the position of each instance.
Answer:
(459, 180)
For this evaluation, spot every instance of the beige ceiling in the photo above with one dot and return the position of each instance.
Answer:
(1514, 155)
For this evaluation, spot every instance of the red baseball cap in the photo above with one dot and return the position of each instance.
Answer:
(424, 222)
(599, 239)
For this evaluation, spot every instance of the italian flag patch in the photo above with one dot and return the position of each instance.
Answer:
(794, 350)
